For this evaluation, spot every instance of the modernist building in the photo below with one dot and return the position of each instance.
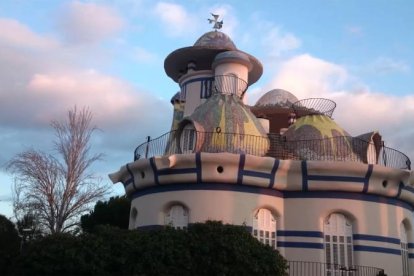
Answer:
(282, 167)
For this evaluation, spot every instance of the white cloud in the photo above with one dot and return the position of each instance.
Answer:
(175, 19)
(276, 41)
(37, 86)
(15, 34)
(103, 94)
(386, 65)
(89, 22)
(307, 76)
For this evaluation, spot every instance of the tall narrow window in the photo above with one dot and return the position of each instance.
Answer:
(338, 244)
(133, 218)
(206, 88)
(177, 217)
(188, 138)
(264, 227)
(404, 249)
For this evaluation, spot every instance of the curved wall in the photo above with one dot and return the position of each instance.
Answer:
(300, 194)
(300, 218)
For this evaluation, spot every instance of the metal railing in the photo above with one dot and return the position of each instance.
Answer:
(229, 84)
(190, 141)
(342, 148)
(300, 268)
(313, 106)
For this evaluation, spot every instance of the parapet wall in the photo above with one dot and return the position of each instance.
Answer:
(267, 172)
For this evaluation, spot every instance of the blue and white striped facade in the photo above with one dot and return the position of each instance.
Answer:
(300, 194)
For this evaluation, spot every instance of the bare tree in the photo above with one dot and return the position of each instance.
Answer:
(58, 190)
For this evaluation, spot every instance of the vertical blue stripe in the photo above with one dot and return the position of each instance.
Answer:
(154, 169)
(198, 166)
(400, 187)
(241, 168)
(132, 176)
(304, 175)
(273, 173)
(201, 89)
(367, 177)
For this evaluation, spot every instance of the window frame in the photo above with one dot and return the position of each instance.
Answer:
(265, 227)
(176, 220)
(338, 243)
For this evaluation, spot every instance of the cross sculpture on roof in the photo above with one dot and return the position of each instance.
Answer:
(217, 24)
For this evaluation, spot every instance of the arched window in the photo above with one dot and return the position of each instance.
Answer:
(338, 243)
(177, 217)
(264, 227)
(404, 249)
(133, 218)
(188, 138)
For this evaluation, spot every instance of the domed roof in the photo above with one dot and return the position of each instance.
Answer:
(318, 137)
(215, 40)
(203, 52)
(277, 97)
(233, 55)
(221, 118)
(314, 127)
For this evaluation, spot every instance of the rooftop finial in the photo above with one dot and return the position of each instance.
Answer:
(217, 24)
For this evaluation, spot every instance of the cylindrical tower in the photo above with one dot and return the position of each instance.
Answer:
(192, 67)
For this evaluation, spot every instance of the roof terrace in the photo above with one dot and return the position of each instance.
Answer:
(337, 149)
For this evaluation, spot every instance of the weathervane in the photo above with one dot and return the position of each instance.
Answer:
(217, 24)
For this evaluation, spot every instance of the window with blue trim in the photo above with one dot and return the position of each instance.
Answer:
(206, 88)
(177, 217)
(264, 227)
(338, 244)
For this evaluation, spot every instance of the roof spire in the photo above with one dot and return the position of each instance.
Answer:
(217, 24)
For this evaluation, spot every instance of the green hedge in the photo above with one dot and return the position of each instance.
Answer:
(9, 244)
(204, 249)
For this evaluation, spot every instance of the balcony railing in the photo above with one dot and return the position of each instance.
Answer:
(314, 106)
(229, 84)
(299, 268)
(342, 148)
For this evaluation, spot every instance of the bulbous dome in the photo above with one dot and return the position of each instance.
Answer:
(277, 98)
(226, 125)
(314, 127)
(318, 137)
(215, 40)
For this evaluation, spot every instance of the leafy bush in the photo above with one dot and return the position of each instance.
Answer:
(114, 212)
(9, 244)
(204, 249)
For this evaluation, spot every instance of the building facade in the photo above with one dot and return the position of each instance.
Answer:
(283, 168)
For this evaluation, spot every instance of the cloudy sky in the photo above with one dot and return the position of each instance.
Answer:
(108, 55)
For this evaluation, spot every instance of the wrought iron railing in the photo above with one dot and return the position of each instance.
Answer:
(312, 106)
(189, 141)
(342, 148)
(299, 268)
(229, 84)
